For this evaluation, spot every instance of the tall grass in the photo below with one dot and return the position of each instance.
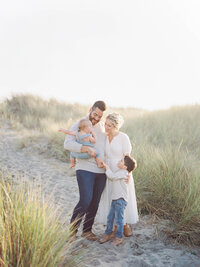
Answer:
(30, 231)
(168, 185)
(167, 147)
(32, 112)
(167, 127)
(41, 119)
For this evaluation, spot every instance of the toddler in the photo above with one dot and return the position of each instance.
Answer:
(85, 136)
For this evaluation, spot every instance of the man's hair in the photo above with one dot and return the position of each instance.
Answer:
(99, 104)
(130, 163)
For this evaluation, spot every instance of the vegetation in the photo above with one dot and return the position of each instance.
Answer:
(165, 143)
(31, 234)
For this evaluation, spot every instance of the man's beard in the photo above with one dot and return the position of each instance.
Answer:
(93, 121)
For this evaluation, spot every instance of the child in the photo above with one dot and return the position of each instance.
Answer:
(119, 195)
(85, 136)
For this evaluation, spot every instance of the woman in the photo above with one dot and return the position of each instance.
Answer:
(117, 146)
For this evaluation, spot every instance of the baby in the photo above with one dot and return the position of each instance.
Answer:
(85, 136)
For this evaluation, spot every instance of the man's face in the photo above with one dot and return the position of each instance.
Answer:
(95, 115)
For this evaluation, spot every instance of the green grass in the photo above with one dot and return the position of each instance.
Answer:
(30, 228)
(168, 185)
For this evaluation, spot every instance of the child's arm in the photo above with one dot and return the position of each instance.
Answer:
(62, 130)
(120, 174)
(93, 137)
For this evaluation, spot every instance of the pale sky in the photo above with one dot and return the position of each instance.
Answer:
(136, 53)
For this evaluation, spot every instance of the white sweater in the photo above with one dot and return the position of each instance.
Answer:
(88, 164)
(119, 188)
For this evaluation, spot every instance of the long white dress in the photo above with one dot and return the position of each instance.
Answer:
(115, 151)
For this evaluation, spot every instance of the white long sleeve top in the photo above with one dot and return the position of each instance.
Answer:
(119, 188)
(87, 164)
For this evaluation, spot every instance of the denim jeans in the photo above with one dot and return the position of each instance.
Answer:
(116, 212)
(91, 186)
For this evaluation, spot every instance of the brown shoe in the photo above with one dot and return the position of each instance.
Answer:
(117, 241)
(105, 238)
(90, 236)
(127, 230)
(114, 232)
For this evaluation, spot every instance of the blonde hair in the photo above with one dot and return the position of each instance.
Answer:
(116, 120)
(83, 123)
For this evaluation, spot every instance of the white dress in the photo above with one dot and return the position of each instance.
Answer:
(115, 151)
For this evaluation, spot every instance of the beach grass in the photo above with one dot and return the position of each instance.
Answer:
(30, 228)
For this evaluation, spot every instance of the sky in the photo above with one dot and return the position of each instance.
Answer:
(131, 53)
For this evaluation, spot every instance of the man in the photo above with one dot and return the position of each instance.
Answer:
(91, 179)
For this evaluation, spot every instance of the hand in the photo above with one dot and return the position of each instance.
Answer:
(61, 130)
(105, 166)
(127, 179)
(120, 164)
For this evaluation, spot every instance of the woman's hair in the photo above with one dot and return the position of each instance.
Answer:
(116, 119)
(83, 123)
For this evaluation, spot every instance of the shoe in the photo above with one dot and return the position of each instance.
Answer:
(90, 236)
(127, 230)
(117, 241)
(105, 238)
(114, 232)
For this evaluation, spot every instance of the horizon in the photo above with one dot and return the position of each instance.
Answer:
(2, 99)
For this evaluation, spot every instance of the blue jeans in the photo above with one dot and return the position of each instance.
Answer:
(116, 212)
(91, 186)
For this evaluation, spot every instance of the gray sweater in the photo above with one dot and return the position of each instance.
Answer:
(88, 164)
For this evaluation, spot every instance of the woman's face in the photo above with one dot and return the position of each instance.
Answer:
(109, 127)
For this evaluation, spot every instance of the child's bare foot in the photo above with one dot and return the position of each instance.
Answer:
(72, 165)
(72, 162)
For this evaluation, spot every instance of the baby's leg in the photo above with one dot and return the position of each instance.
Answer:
(72, 162)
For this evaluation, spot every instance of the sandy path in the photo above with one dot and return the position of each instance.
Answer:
(144, 248)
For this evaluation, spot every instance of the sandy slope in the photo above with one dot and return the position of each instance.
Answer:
(147, 247)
